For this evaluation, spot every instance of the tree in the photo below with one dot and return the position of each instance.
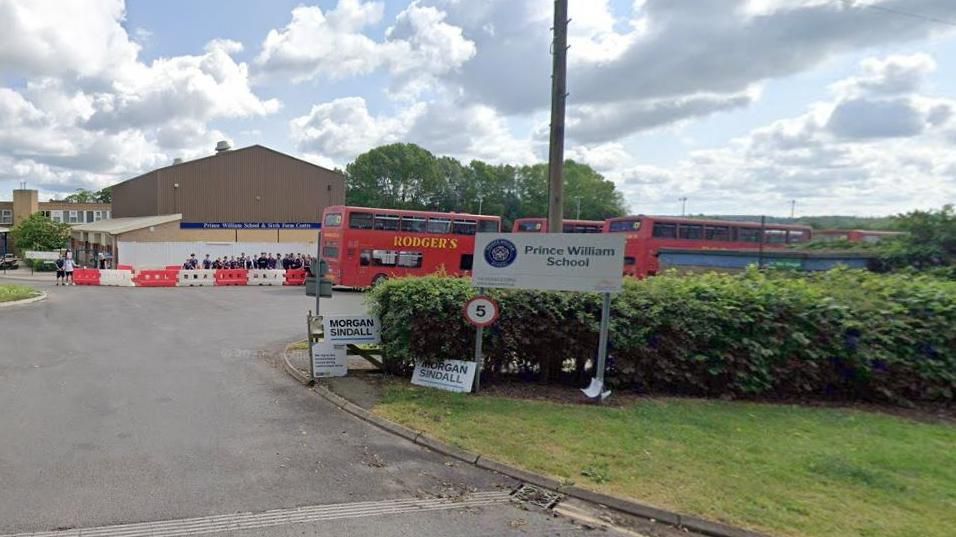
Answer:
(104, 195)
(37, 232)
(395, 176)
(598, 196)
(81, 195)
(930, 240)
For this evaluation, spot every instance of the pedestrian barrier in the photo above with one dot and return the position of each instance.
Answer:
(232, 277)
(124, 267)
(196, 278)
(86, 276)
(116, 278)
(156, 278)
(266, 277)
(174, 267)
(295, 277)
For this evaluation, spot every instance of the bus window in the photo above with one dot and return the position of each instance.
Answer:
(360, 220)
(467, 260)
(776, 236)
(717, 233)
(627, 225)
(439, 225)
(529, 227)
(464, 227)
(748, 234)
(413, 224)
(333, 220)
(487, 226)
(795, 236)
(330, 251)
(693, 232)
(386, 222)
(391, 258)
(630, 260)
(665, 231)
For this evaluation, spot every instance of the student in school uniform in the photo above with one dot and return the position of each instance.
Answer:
(207, 263)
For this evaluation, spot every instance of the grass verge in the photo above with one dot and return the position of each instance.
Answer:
(784, 470)
(11, 292)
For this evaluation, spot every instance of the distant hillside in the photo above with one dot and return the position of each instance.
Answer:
(887, 223)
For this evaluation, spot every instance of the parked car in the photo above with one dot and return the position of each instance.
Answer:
(9, 262)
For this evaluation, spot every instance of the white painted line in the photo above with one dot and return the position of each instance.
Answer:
(278, 517)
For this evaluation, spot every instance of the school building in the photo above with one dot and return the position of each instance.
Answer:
(26, 202)
(249, 200)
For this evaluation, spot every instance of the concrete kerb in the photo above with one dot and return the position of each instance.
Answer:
(25, 301)
(291, 369)
(630, 507)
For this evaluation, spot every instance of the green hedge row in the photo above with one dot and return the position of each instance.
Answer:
(836, 335)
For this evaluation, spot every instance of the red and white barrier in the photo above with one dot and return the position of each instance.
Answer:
(116, 278)
(266, 277)
(232, 277)
(196, 278)
(86, 276)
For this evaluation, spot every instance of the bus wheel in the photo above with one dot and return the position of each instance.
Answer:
(379, 278)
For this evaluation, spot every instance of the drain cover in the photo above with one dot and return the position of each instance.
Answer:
(537, 497)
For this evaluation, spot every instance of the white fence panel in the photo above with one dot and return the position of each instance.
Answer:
(161, 254)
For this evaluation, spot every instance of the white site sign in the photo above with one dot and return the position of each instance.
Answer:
(329, 360)
(450, 375)
(550, 261)
(46, 256)
(354, 329)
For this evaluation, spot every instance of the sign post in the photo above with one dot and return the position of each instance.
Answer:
(480, 311)
(557, 262)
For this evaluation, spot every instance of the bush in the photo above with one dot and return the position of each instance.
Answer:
(843, 334)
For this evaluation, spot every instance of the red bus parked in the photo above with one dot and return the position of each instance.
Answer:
(363, 246)
(540, 225)
(855, 235)
(647, 234)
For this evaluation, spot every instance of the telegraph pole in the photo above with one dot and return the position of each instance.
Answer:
(559, 94)
(683, 205)
(793, 207)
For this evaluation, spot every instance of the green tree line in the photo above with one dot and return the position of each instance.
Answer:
(406, 176)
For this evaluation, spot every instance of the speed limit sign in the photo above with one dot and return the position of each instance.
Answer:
(481, 311)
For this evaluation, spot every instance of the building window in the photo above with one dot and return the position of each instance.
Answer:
(89, 217)
(97, 216)
(107, 215)
(6, 216)
(56, 216)
(74, 217)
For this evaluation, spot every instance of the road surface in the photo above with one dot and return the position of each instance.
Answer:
(164, 407)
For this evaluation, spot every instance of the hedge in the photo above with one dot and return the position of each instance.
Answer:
(846, 335)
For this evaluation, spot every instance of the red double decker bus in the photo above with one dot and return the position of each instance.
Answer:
(647, 234)
(363, 246)
(540, 225)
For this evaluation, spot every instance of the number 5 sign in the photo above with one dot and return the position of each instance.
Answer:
(481, 311)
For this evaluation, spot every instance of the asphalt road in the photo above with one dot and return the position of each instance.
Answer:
(121, 405)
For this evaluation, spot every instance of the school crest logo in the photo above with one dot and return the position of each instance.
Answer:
(500, 253)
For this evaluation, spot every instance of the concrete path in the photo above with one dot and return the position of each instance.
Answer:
(129, 405)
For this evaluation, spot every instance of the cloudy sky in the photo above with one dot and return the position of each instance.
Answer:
(846, 106)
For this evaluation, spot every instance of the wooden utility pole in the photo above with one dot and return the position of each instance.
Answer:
(559, 93)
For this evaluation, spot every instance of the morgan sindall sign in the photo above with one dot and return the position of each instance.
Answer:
(552, 261)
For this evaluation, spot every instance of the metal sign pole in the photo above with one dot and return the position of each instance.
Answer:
(308, 332)
(315, 271)
(602, 341)
(479, 358)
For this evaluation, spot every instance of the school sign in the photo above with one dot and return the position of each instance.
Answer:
(549, 261)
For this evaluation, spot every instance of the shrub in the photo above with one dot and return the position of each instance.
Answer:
(842, 334)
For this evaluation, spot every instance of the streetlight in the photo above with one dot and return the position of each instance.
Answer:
(793, 207)
(578, 199)
(480, 200)
(683, 205)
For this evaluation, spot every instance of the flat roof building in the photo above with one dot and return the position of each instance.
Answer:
(250, 200)
(26, 202)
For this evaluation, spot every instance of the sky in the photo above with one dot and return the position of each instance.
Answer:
(741, 106)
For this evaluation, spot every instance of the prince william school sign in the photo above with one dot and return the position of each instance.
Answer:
(250, 225)
(555, 261)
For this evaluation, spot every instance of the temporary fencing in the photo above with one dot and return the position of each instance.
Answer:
(197, 278)
(266, 277)
(295, 277)
(232, 277)
(116, 278)
(86, 276)
(156, 278)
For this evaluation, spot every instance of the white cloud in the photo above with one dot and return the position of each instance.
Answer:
(90, 112)
(331, 45)
(341, 129)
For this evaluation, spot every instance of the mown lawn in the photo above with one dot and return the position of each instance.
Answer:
(11, 292)
(784, 470)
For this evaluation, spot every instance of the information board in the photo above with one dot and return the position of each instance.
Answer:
(549, 261)
(354, 329)
(329, 360)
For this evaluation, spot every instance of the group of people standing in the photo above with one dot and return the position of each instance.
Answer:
(264, 261)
